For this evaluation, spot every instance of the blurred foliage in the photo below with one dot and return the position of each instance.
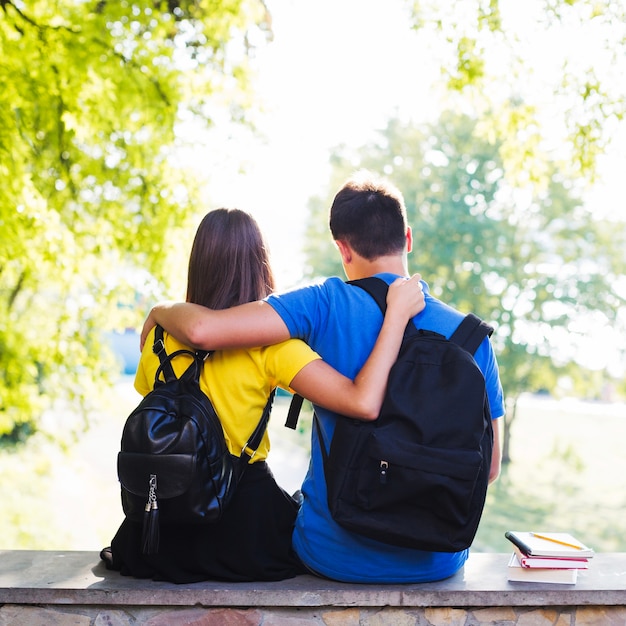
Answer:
(563, 59)
(534, 94)
(92, 95)
(533, 261)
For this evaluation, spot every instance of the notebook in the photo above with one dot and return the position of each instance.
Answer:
(549, 544)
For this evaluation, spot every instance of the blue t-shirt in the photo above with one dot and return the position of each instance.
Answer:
(341, 323)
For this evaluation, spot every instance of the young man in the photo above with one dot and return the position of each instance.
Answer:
(341, 323)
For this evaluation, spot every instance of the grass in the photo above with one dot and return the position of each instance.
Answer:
(568, 474)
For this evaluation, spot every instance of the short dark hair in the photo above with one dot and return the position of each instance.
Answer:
(229, 261)
(368, 213)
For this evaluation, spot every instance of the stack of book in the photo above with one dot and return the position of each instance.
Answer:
(546, 557)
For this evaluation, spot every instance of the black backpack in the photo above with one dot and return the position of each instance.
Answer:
(174, 465)
(417, 476)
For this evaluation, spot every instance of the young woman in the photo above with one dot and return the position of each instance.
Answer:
(228, 266)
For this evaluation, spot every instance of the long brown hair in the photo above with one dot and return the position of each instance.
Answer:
(229, 261)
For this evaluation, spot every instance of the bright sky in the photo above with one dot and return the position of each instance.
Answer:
(335, 72)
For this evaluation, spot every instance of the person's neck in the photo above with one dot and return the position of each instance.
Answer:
(382, 265)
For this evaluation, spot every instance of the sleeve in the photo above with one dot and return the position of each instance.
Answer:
(142, 384)
(284, 360)
(303, 310)
(488, 364)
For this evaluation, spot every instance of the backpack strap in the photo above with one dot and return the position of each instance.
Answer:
(257, 436)
(471, 332)
(320, 437)
(294, 411)
(377, 288)
(191, 373)
(158, 347)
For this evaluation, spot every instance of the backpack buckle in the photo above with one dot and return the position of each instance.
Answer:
(158, 346)
(250, 454)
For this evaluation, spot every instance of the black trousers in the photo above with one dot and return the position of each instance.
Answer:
(251, 542)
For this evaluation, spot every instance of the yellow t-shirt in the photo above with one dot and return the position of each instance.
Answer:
(238, 382)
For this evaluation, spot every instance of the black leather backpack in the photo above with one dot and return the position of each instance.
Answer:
(174, 465)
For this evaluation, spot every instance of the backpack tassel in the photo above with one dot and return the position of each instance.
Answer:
(150, 530)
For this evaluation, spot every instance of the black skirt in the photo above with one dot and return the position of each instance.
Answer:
(251, 542)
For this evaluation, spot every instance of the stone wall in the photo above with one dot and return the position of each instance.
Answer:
(73, 588)
(19, 615)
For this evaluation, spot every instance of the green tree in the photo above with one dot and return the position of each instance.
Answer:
(92, 95)
(535, 261)
(550, 73)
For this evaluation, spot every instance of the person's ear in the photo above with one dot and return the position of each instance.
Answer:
(344, 250)
(409, 239)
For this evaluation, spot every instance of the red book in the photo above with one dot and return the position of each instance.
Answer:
(549, 562)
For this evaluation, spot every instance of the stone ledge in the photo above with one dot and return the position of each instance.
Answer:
(79, 578)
